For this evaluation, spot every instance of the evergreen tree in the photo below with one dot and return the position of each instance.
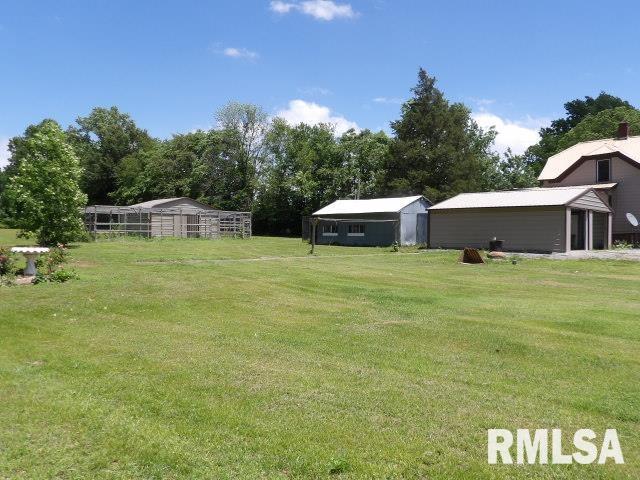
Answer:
(438, 149)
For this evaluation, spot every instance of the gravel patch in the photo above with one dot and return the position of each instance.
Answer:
(632, 254)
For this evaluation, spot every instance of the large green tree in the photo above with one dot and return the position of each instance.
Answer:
(102, 140)
(511, 172)
(601, 125)
(215, 176)
(302, 174)
(438, 149)
(44, 190)
(245, 127)
(364, 154)
(576, 110)
(18, 149)
(201, 165)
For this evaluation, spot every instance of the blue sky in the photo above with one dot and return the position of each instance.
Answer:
(172, 64)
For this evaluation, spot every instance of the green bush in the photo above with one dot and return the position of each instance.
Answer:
(50, 267)
(622, 245)
(49, 261)
(57, 276)
(7, 262)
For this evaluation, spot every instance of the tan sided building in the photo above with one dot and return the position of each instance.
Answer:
(541, 220)
(612, 166)
(589, 198)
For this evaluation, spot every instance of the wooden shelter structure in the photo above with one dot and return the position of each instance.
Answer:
(168, 217)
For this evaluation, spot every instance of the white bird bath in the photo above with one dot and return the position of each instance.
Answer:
(30, 253)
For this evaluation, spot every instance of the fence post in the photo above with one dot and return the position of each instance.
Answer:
(314, 223)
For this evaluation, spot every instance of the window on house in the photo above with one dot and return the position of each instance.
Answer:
(604, 170)
(330, 229)
(356, 230)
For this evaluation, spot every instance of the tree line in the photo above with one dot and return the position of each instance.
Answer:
(250, 161)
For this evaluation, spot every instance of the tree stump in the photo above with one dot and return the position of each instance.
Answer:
(471, 255)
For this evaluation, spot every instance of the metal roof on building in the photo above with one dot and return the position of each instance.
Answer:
(158, 202)
(528, 197)
(560, 162)
(600, 186)
(372, 205)
(182, 202)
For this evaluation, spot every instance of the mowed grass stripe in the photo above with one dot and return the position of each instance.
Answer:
(385, 365)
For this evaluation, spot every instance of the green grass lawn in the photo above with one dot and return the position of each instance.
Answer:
(250, 359)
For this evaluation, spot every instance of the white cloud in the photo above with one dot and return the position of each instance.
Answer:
(234, 52)
(517, 135)
(282, 7)
(326, 10)
(315, 91)
(483, 102)
(4, 152)
(390, 100)
(311, 113)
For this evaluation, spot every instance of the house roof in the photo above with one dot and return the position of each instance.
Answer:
(528, 197)
(600, 186)
(560, 162)
(159, 202)
(372, 205)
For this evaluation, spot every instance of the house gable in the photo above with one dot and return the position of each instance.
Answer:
(623, 198)
(588, 174)
(561, 164)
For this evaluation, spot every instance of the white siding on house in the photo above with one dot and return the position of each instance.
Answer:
(522, 229)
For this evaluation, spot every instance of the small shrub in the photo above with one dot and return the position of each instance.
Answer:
(40, 278)
(57, 276)
(338, 466)
(395, 247)
(7, 262)
(622, 245)
(84, 237)
(49, 262)
(4, 264)
(61, 275)
(7, 280)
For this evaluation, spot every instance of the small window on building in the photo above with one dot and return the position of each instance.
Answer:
(604, 170)
(356, 230)
(330, 229)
